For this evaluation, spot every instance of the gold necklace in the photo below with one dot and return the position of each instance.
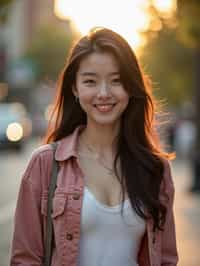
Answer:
(97, 158)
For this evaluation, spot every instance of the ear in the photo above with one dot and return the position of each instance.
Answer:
(74, 90)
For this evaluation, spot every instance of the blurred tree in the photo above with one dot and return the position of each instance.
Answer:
(189, 33)
(4, 8)
(166, 59)
(49, 49)
(189, 22)
(168, 63)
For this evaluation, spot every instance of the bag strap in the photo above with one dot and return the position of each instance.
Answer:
(49, 226)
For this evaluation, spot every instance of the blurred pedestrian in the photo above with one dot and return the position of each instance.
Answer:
(113, 204)
(184, 140)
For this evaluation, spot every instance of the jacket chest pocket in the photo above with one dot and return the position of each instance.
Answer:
(58, 204)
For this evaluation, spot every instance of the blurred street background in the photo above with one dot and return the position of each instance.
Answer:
(35, 38)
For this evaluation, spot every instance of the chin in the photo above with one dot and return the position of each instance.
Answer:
(105, 121)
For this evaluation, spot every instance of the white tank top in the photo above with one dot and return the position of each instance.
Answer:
(107, 238)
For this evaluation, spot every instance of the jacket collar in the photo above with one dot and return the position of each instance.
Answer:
(68, 146)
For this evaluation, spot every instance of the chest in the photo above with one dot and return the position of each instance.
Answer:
(104, 186)
(101, 226)
(68, 214)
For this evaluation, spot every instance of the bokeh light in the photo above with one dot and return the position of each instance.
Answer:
(165, 5)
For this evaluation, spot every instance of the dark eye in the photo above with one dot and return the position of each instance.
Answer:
(89, 81)
(116, 80)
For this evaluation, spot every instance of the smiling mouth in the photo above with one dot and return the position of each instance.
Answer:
(104, 107)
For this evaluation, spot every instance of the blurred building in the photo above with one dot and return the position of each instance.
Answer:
(24, 20)
(17, 76)
(25, 17)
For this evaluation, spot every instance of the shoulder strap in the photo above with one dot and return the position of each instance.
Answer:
(49, 226)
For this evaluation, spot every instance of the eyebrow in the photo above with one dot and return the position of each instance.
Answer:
(88, 74)
(94, 74)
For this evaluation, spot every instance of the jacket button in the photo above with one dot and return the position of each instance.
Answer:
(76, 196)
(69, 236)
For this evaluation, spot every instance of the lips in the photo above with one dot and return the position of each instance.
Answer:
(106, 107)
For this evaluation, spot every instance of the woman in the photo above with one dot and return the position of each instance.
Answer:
(113, 204)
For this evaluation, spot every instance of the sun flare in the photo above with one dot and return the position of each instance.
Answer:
(127, 17)
(165, 5)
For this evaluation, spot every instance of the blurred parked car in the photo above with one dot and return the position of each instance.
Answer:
(15, 125)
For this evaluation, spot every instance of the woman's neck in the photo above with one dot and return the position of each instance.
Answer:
(100, 138)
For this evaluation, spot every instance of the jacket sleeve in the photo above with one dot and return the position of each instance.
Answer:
(169, 256)
(27, 242)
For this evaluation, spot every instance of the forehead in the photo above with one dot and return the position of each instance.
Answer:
(99, 62)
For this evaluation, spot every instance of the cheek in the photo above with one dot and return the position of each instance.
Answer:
(85, 100)
(123, 97)
(85, 95)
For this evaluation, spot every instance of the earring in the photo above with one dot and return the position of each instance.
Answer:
(76, 99)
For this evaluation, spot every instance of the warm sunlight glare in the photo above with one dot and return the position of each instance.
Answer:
(165, 5)
(125, 17)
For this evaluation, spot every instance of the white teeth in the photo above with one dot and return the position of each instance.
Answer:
(108, 104)
(104, 107)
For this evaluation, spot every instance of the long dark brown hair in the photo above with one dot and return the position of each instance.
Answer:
(138, 147)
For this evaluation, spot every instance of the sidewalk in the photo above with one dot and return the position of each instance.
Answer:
(187, 215)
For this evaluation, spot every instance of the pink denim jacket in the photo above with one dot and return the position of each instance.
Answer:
(157, 248)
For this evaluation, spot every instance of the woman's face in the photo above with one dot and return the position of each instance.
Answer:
(99, 89)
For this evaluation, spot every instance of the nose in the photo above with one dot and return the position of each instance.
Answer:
(104, 91)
